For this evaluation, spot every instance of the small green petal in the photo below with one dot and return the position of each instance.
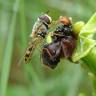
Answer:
(78, 26)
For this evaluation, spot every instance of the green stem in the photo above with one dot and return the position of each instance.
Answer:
(90, 60)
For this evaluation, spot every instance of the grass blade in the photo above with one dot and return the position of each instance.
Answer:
(8, 52)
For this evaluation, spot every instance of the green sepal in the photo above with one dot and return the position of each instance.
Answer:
(85, 40)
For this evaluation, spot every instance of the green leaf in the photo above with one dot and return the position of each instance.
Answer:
(85, 40)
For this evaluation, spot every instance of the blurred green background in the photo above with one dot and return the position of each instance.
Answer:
(16, 20)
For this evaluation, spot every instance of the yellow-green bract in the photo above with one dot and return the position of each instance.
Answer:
(85, 40)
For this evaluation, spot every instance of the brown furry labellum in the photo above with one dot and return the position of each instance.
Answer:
(51, 53)
(63, 45)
